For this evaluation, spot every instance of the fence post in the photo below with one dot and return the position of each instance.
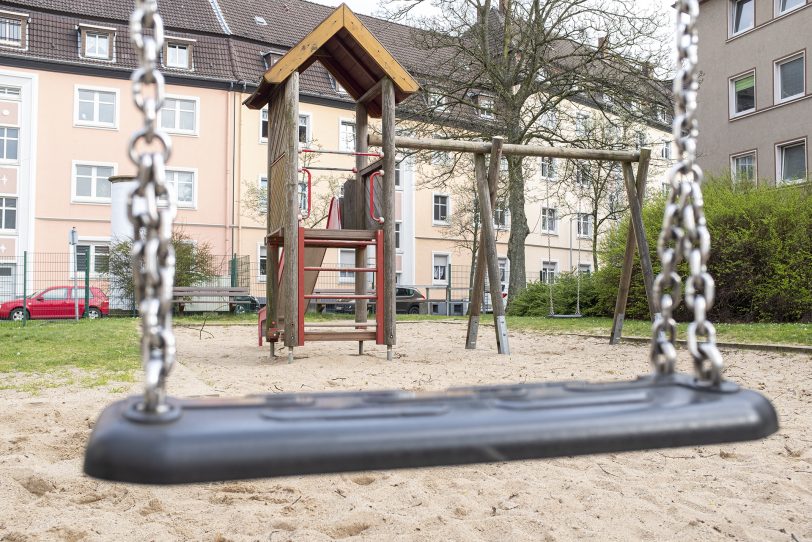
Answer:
(234, 270)
(448, 293)
(25, 287)
(87, 283)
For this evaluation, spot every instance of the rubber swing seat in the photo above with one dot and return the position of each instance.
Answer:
(212, 439)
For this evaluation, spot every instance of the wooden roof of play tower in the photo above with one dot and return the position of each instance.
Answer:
(350, 53)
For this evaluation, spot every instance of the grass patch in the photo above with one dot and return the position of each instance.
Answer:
(47, 354)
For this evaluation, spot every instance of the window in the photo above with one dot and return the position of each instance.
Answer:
(548, 272)
(743, 167)
(8, 213)
(336, 85)
(501, 218)
(9, 143)
(665, 151)
(791, 162)
(549, 119)
(582, 124)
(582, 175)
(179, 55)
(346, 136)
(99, 255)
(547, 168)
(486, 107)
(503, 272)
(398, 225)
(179, 115)
(90, 182)
(439, 263)
(584, 269)
(641, 139)
(183, 183)
(97, 44)
(789, 78)
(783, 6)
(263, 188)
(263, 125)
(584, 221)
(440, 209)
(96, 107)
(262, 273)
(742, 16)
(55, 294)
(10, 93)
(12, 29)
(549, 220)
(397, 171)
(743, 94)
(302, 192)
(436, 100)
(304, 129)
(346, 259)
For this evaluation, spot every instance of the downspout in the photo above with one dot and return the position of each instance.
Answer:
(233, 165)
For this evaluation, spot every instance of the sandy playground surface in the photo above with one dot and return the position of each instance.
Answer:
(753, 491)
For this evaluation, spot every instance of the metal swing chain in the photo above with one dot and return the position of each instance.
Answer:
(685, 235)
(152, 253)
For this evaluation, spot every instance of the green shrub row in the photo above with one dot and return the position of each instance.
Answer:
(761, 243)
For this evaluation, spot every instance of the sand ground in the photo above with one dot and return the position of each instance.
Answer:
(751, 491)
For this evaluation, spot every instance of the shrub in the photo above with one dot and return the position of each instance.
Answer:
(535, 299)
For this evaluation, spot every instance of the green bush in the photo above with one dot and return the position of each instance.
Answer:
(535, 300)
(761, 243)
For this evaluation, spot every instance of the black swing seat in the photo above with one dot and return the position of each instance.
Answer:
(212, 439)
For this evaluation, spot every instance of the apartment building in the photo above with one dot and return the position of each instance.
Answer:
(66, 117)
(754, 106)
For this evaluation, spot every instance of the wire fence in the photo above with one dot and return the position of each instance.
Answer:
(88, 283)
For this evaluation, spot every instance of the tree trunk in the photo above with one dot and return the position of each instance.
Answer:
(518, 228)
(594, 240)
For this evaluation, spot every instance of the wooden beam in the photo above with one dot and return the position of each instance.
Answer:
(388, 193)
(482, 147)
(358, 216)
(291, 149)
(373, 92)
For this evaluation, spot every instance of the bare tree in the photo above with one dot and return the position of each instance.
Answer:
(513, 68)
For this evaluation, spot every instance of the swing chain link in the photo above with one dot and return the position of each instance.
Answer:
(685, 236)
(152, 254)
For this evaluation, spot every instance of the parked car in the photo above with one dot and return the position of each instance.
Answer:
(407, 301)
(58, 302)
(243, 304)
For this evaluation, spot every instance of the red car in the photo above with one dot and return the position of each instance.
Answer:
(57, 302)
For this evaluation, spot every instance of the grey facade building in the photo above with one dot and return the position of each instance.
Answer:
(755, 106)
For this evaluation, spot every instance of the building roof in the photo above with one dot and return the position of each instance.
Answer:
(352, 55)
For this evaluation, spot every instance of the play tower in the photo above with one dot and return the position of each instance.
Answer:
(377, 83)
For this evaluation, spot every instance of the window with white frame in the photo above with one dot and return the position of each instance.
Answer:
(439, 265)
(641, 139)
(303, 192)
(549, 220)
(346, 259)
(179, 55)
(440, 215)
(398, 167)
(8, 213)
(501, 217)
(398, 227)
(743, 94)
(789, 78)
(436, 100)
(584, 221)
(665, 150)
(97, 44)
(99, 254)
(12, 30)
(304, 129)
(547, 166)
(549, 119)
(263, 125)
(503, 272)
(791, 162)
(582, 175)
(184, 185)
(584, 269)
(91, 182)
(742, 16)
(263, 189)
(9, 143)
(549, 270)
(784, 6)
(262, 271)
(486, 106)
(346, 136)
(96, 107)
(179, 115)
(582, 124)
(743, 166)
(10, 93)
(336, 85)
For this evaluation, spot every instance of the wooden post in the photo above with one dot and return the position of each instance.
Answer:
(489, 244)
(290, 144)
(479, 270)
(389, 263)
(635, 192)
(358, 214)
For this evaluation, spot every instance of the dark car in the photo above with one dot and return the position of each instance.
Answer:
(244, 304)
(407, 300)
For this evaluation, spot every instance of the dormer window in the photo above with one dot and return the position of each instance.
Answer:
(178, 53)
(260, 21)
(269, 58)
(336, 85)
(97, 42)
(486, 106)
(13, 29)
(436, 100)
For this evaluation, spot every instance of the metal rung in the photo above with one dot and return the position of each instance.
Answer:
(343, 269)
(340, 336)
(339, 296)
(333, 243)
(342, 324)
